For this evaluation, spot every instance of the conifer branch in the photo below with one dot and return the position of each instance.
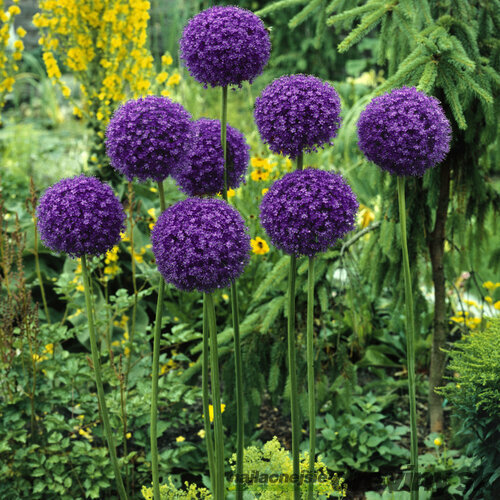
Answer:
(304, 14)
(281, 4)
(367, 24)
(352, 13)
(320, 26)
(426, 82)
(333, 5)
(476, 88)
(453, 99)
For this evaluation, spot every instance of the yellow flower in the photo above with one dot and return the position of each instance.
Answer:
(18, 45)
(21, 32)
(259, 174)
(180, 439)
(128, 435)
(496, 305)
(174, 79)
(231, 192)
(49, 348)
(490, 286)
(80, 288)
(161, 77)
(153, 189)
(14, 10)
(167, 59)
(152, 213)
(438, 441)
(201, 433)
(211, 411)
(366, 215)
(488, 299)
(225, 296)
(165, 92)
(264, 191)
(66, 91)
(126, 351)
(259, 246)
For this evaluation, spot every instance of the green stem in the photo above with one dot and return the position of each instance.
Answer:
(98, 380)
(294, 400)
(410, 343)
(310, 375)
(223, 128)
(39, 275)
(155, 373)
(240, 429)
(214, 367)
(204, 383)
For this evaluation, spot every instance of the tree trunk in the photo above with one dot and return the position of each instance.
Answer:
(436, 249)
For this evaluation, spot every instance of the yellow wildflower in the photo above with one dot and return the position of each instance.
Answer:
(161, 77)
(438, 441)
(259, 174)
(225, 296)
(174, 79)
(264, 191)
(18, 45)
(166, 59)
(259, 246)
(21, 32)
(496, 305)
(14, 10)
(66, 91)
(201, 433)
(366, 215)
(49, 348)
(128, 435)
(231, 192)
(488, 299)
(180, 439)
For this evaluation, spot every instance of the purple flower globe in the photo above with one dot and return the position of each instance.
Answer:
(306, 211)
(297, 113)
(203, 173)
(80, 216)
(225, 45)
(200, 244)
(146, 138)
(404, 132)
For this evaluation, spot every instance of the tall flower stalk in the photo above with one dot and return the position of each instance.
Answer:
(310, 375)
(240, 423)
(156, 372)
(202, 244)
(406, 132)
(98, 380)
(321, 208)
(81, 216)
(410, 342)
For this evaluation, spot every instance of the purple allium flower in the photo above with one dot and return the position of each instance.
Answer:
(225, 46)
(297, 113)
(147, 137)
(306, 211)
(404, 132)
(200, 244)
(203, 174)
(80, 216)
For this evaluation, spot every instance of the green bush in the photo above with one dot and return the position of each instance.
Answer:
(475, 396)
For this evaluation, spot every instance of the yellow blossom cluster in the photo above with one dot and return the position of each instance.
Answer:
(78, 280)
(11, 49)
(47, 351)
(365, 216)
(123, 324)
(272, 167)
(103, 42)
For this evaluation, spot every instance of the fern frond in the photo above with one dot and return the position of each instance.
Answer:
(281, 4)
(304, 14)
(368, 23)
(352, 13)
(426, 82)
(452, 98)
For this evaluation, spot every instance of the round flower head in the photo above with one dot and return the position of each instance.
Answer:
(203, 173)
(147, 137)
(80, 216)
(404, 132)
(297, 113)
(306, 211)
(225, 46)
(200, 244)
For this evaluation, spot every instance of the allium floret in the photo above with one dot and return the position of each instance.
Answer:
(147, 138)
(200, 244)
(80, 216)
(307, 211)
(297, 113)
(225, 45)
(203, 173)
(404, 132)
